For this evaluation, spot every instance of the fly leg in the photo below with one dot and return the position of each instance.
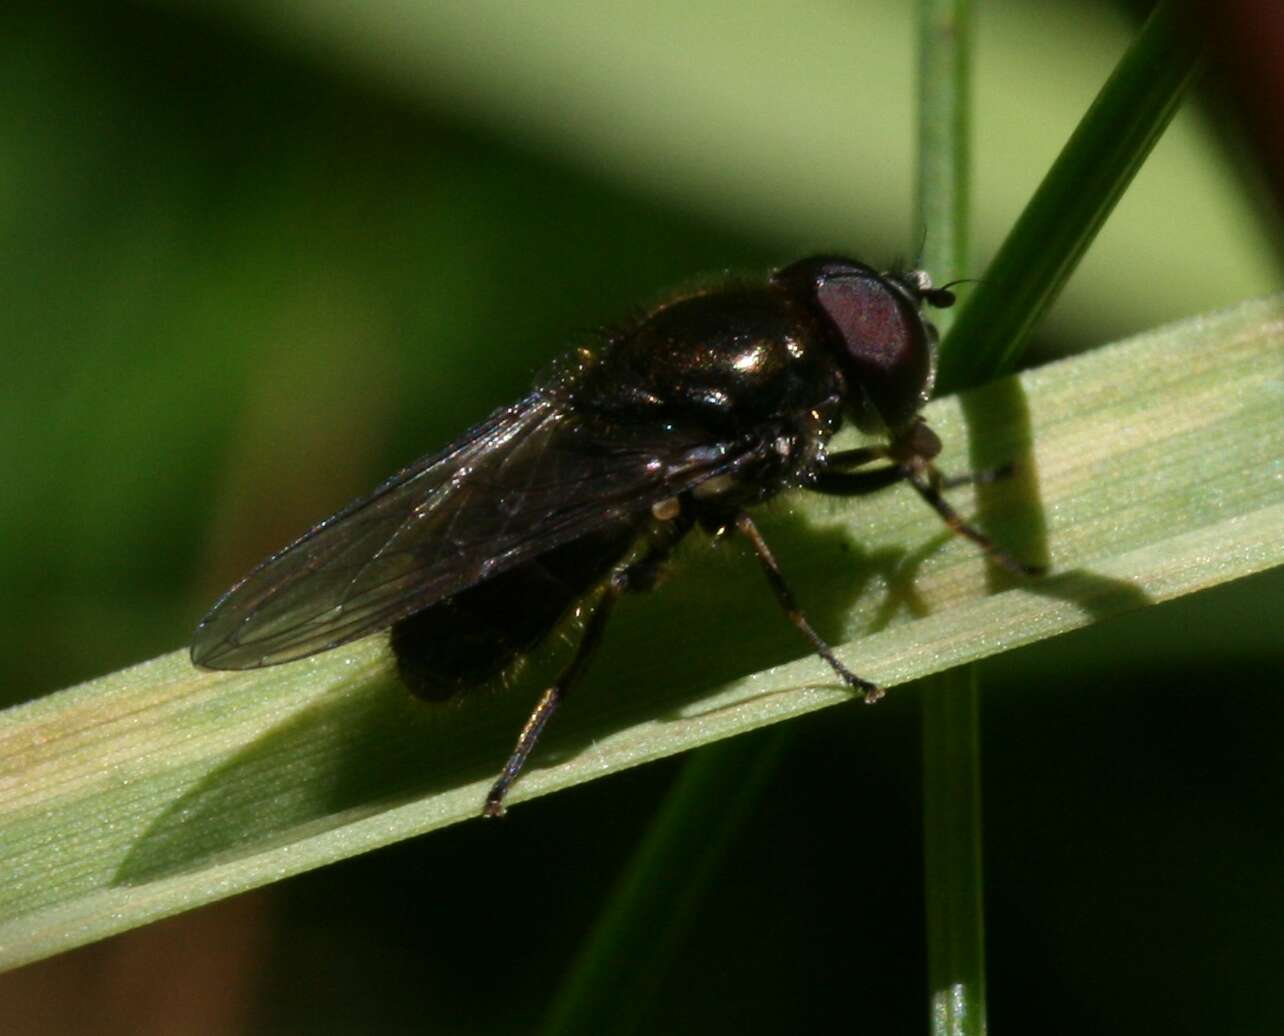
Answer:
(639, 576)
(858, 483)
(855, 483)
(745, 526)
(928, 482)
(834, 480)
(919, 471)
(858, 457)
(552, 698)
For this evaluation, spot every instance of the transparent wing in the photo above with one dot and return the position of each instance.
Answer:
(530, 477)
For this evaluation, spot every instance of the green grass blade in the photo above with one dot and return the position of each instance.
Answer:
(627, 955)
(1073, 201)
(950, 701)
(158, 788)
(952, 852)
(943, 177)
(1054, 231)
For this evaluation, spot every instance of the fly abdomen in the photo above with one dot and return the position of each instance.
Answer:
(477, 635)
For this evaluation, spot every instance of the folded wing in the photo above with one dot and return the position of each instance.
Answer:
(529, 478)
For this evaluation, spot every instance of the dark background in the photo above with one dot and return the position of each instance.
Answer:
(254, 258)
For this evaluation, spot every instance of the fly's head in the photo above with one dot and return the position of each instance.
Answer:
(875, 327)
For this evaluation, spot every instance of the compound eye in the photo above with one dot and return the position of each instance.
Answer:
(886, 342)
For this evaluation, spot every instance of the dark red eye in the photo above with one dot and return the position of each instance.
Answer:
(886, 347)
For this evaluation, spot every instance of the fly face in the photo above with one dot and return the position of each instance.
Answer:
(578, 493)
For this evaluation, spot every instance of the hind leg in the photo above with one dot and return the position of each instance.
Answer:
(637, 577)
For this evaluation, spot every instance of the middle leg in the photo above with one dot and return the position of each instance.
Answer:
(871, 692)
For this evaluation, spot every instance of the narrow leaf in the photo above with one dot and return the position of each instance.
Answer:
(159, 788)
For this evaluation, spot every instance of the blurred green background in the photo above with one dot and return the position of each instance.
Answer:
(254, 256)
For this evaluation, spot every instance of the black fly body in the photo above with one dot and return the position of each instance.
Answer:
(701, 408)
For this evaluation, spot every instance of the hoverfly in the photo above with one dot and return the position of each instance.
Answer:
(712, 402)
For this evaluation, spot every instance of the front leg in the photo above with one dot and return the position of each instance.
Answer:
(855, 483)
(858, 457)
(834, 482)
(928, 482)
(911, 460)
